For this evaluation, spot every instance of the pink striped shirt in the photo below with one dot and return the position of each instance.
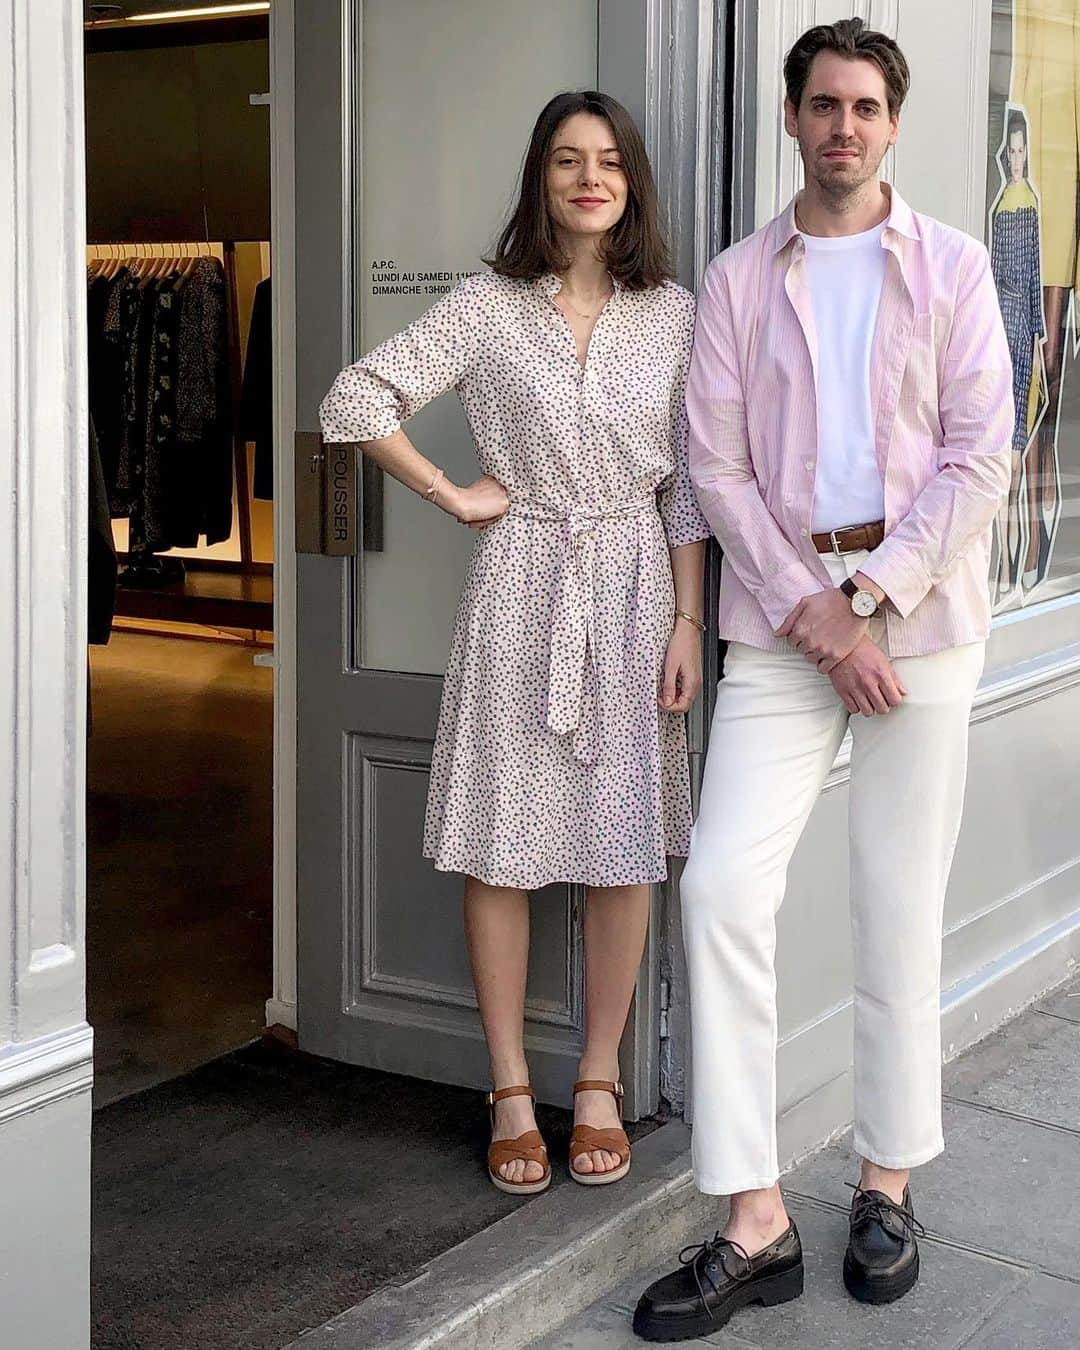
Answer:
(942, 410)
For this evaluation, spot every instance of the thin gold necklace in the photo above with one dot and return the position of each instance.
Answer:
(581, 314)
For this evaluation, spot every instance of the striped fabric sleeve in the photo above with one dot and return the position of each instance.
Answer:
(977, 416)
(754, 545)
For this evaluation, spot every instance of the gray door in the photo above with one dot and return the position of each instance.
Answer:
(412, 118)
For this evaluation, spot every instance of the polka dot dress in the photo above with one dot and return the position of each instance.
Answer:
(552, 761)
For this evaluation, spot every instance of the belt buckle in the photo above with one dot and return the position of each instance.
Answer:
(844, 529)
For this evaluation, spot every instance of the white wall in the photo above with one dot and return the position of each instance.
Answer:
(45, 1045)
(1012, 923)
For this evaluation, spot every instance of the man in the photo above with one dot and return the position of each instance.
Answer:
(850, 403)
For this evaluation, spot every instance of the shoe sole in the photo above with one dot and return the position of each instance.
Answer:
(600, 1178)
(777, 1289)
(520, 1187)
(882, 1289)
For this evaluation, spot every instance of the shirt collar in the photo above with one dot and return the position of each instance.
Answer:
(901, 220)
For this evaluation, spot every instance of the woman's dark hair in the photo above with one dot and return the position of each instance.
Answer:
(850, 38)
(634, 249)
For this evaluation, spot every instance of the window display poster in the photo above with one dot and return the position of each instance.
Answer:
(1032, 232)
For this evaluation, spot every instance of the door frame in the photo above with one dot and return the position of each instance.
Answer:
(281, 1005)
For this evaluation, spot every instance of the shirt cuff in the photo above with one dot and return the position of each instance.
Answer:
(783, 591)
(904, 582)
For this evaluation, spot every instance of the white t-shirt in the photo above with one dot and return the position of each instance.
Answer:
(845, 275)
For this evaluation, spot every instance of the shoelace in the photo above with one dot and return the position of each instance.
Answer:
(700, 1254)
(867, 1207)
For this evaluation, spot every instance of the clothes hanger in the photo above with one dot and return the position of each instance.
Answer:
(111, 263)
(145, 265)
(189, 266)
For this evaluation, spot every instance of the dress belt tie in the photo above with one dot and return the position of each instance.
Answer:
(573, 686)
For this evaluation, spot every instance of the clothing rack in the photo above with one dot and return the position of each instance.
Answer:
(257, 607)
(225, 252)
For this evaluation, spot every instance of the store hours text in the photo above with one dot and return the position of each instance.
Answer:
(388, 279)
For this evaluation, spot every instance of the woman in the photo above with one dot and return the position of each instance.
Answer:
(560, 754)
(1014, 261)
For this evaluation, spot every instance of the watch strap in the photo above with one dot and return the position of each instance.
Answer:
(849, 588)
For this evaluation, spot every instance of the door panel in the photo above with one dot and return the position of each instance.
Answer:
(447, 107)
(407, 152)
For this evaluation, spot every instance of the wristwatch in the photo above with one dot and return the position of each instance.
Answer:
(863, 603)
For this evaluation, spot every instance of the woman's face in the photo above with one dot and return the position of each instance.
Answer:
(586, 183)
(1017, 156)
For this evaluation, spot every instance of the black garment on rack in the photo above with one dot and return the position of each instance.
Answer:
(257, 393)
(101, 559)
(127, 324)
(105, 365)
(163, 479)
(164, 395)
(204, 414)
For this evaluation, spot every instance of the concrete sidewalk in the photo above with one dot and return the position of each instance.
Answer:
(1001, 1260)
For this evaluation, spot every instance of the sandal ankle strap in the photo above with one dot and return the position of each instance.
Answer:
(499, 1094)
(599, 1085)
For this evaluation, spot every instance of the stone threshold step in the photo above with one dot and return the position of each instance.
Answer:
(533, 1270)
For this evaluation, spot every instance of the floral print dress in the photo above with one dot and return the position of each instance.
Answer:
(552, 761)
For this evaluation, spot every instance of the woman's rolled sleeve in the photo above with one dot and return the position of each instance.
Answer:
(372, 398)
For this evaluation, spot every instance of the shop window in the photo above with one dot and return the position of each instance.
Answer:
(1032, 231)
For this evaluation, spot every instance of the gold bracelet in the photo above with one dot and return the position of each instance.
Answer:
(432, 494)
(682, 614)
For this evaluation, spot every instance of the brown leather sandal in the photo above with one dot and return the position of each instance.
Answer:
(586, 1139)
(529, 1147)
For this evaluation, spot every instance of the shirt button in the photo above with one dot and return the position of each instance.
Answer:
(809, 466)
(805, 534)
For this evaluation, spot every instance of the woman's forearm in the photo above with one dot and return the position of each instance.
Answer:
(688, 573)
(401, 460)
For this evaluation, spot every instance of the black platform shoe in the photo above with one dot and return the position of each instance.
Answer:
(714, 1280)
(882, 1258)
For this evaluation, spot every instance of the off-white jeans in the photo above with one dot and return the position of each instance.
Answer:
(777, 728)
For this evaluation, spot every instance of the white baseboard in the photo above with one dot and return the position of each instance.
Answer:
(280, 1013)
(974, 1007)
(37, 1073)
(813, 1113)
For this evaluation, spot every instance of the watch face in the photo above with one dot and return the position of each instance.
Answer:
(864, 604)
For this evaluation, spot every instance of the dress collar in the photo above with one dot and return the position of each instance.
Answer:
(550, 285)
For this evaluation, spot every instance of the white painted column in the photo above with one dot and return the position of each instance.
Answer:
(45, 1044)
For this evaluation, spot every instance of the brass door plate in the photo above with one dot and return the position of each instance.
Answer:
(325, 492)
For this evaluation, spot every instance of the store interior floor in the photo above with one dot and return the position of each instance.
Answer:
(179, 856)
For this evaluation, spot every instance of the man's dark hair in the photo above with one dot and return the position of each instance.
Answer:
(634, 250)
(850, 38)
(1017, 122)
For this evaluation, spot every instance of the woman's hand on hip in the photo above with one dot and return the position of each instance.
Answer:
(481, 503)
(681, 681)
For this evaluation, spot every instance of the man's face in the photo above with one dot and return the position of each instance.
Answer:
(1017, 155)
(843, 124)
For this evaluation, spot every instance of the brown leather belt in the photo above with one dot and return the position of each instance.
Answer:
(850, 539)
